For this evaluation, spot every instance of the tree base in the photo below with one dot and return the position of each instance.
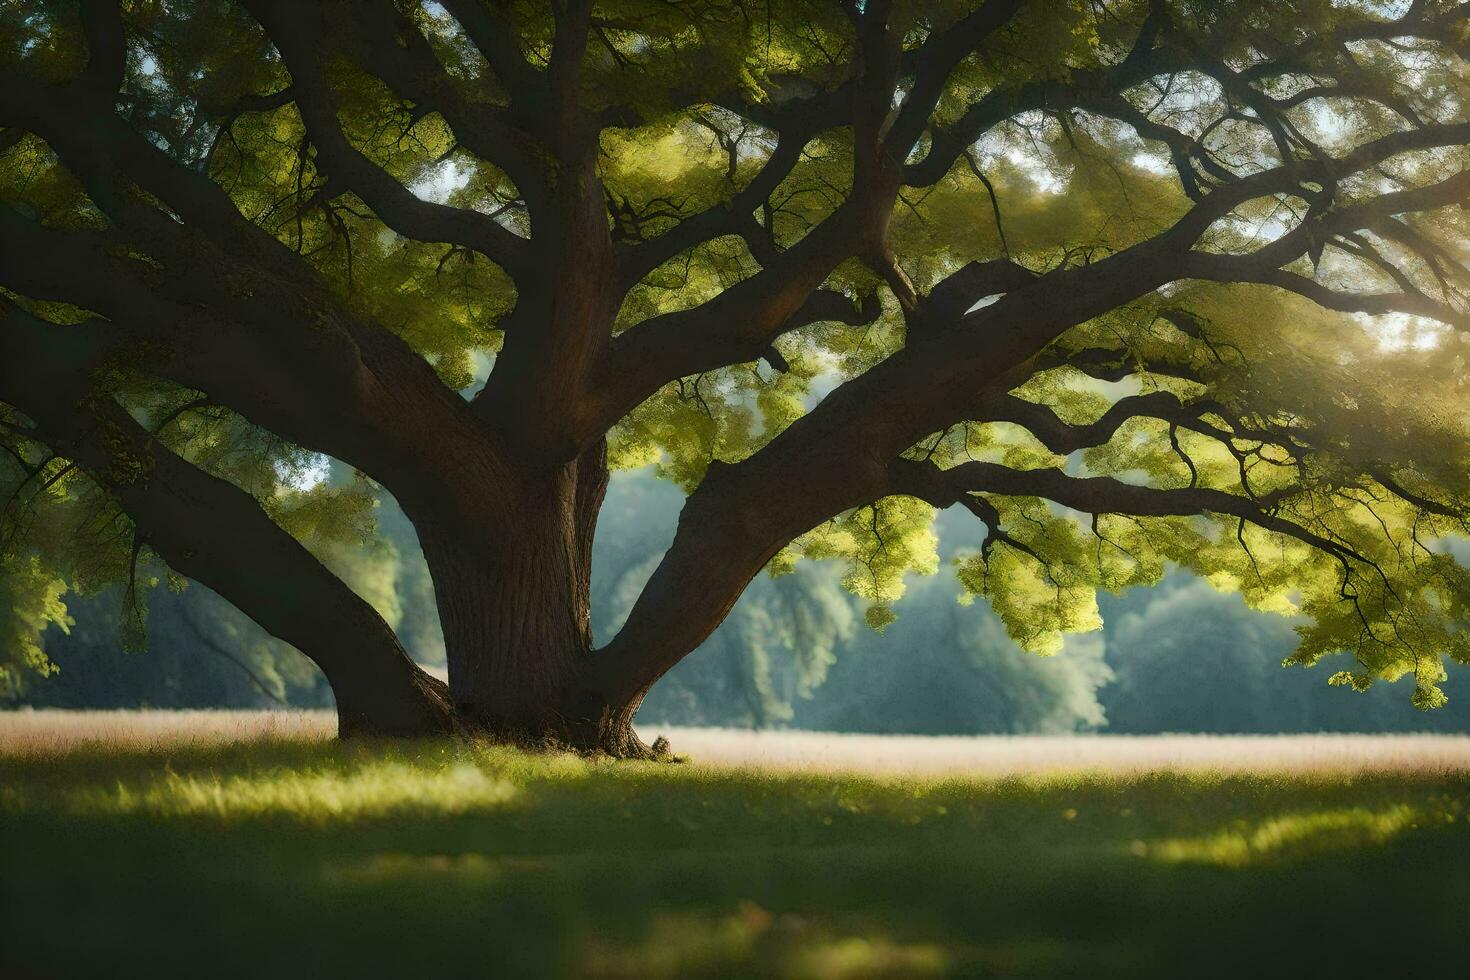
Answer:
(608, 742)
(422, 706)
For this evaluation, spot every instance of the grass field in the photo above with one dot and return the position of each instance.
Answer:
(205, 846)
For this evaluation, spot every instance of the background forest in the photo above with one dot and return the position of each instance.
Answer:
(794, 653)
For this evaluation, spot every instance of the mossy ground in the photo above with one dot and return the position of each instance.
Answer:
(441, 858)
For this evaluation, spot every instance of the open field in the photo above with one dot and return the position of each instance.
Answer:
(30, 732)
(149, 844)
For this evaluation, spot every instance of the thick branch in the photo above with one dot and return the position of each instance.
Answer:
(837, 457)
(936, 59)
(736, 326)
(489, 28)
(1063, 438)
(342, 387)
(300, 38)
(747, 318)
(727, 218)
(214, 532)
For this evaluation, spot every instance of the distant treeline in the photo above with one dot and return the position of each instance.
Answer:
(794, 653)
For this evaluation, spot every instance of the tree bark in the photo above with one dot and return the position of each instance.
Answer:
(513, 591)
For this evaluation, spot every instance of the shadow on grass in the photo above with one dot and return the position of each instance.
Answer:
(439, 857)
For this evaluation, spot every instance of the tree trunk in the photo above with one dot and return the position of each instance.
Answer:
(513, 591)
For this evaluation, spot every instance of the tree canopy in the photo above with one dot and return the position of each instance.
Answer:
(1139, 283)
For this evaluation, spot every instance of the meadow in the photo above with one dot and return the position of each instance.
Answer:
(187, 845)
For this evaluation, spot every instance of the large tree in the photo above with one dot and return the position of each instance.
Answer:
(1137, 282)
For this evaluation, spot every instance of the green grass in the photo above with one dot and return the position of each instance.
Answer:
(443, 859)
